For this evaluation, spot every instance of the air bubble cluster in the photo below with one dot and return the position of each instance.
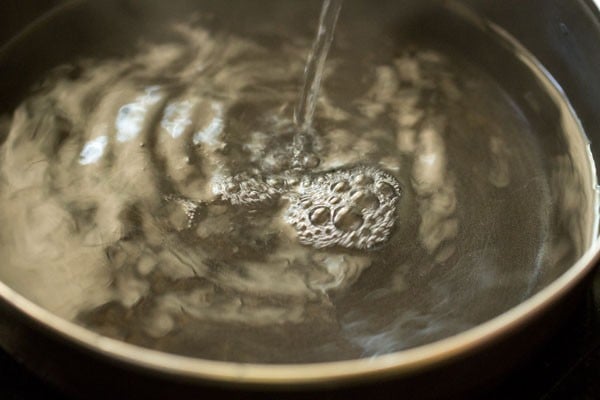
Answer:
(353, 208)
(247, 190)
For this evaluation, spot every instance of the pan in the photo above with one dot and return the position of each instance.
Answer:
(479, 117)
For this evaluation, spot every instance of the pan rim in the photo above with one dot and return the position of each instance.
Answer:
(395, 364)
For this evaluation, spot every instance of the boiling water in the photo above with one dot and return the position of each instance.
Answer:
(167, 198)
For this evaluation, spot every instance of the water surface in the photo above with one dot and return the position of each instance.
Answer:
(158, 196)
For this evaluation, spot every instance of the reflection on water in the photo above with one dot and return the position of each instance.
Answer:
(434, 184)
(93, 150)
(210, 134)
(130, 119)
(169, 205)
(177, 118)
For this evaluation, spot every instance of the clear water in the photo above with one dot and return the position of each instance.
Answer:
(160, 195)
(315, 65)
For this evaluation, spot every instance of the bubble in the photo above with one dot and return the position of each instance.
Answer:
(385, 189)
(363, 218)
(340, 187)
(275, 181)
(347, 219)
(305, 161)
(365, 199)
(306, 204)
(232, 188)
(246, 190)
(362, 179)
(348, 207)
(320, 215)
(334, 200)
(311, 161)
(292, 181)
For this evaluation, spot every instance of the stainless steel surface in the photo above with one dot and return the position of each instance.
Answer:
(564, 39)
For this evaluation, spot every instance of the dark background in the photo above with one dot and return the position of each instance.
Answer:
(14, 14)
(567, 367)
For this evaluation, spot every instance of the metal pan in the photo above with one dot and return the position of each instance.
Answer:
(564, 38)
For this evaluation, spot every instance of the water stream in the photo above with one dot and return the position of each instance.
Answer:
(315, 64)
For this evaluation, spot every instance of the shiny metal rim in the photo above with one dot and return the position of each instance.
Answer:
(394, 364)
